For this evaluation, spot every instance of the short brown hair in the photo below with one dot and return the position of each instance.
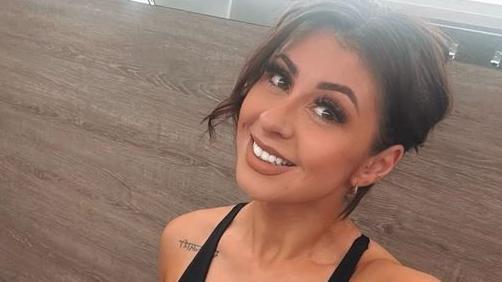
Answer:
(406, 56)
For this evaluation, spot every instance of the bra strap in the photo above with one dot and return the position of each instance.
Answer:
(348, 264)
(199, 267)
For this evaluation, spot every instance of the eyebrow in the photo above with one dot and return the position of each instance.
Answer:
(322, 85)
(339, 88)
(291, 66)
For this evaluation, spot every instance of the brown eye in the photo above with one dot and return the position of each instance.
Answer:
(278, 81)
(323, 112)
(278, 77)
(329, 110)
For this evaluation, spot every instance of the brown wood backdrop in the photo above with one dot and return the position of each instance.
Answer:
(101, 145)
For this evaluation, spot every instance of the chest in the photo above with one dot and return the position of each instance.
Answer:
(230, 268)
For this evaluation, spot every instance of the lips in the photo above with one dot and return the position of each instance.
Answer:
(263, 167)
(270, 150)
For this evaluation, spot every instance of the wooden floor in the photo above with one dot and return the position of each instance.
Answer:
(101, 144)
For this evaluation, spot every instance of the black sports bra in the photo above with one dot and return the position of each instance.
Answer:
(199, 267)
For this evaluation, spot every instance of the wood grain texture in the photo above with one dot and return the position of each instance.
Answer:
(101, 144)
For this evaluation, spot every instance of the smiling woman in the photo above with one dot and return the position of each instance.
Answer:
(325, 108)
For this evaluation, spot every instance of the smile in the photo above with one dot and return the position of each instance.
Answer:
(268, 157)
(264, 161)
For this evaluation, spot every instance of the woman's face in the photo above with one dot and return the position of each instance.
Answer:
(315, 106)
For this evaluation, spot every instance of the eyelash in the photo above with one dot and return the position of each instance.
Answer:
(336, 114)
(272, 69)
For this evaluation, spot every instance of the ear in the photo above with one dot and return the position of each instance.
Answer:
(376, 167)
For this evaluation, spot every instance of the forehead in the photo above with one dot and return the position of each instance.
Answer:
(320, 56)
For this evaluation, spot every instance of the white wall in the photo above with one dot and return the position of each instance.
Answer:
(267, 11)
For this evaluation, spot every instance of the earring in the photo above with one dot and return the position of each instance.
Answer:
(352, 195)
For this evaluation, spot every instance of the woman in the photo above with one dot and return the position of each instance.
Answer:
(325, 108)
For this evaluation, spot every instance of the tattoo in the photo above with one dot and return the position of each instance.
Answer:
(189, 246)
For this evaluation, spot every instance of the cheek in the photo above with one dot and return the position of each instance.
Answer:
(248, 113)
(242, 123)
(250, 109)
(331, 164)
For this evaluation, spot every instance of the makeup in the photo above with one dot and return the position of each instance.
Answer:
(262, 166)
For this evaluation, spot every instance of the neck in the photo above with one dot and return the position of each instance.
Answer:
(278, 232)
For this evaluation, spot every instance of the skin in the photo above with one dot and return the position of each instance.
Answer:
(288, 231)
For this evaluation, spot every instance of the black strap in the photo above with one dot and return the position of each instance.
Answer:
(348, 264)
(199, 267)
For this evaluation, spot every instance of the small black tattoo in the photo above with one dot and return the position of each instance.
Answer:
(189, 246)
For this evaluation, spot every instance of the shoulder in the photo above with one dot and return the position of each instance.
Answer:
(377, 264)
(182, 236)
(390, 271)
(196, 220)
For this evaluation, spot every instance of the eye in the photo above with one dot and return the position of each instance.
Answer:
(278, 81)
(329, 110)
(278, 77)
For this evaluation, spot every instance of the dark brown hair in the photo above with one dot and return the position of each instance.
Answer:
(406, 56)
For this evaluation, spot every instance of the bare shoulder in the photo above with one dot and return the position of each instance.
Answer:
(385, 270)
(379, 265)
(196, 222)
(182, 237)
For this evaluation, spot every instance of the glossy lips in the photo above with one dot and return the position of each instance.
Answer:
(266, 156)
(269, 150)
(266, 163)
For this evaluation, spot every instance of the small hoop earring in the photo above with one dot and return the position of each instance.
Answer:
(352, 195)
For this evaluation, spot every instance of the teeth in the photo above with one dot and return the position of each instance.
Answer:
(278, 161)
(266, 156)
(271, 159)
(257, 150)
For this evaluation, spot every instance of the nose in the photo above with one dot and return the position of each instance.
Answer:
(278, 120)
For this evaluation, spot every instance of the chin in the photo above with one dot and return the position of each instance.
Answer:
(264, 190)
(260, 183)
(250, 185)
